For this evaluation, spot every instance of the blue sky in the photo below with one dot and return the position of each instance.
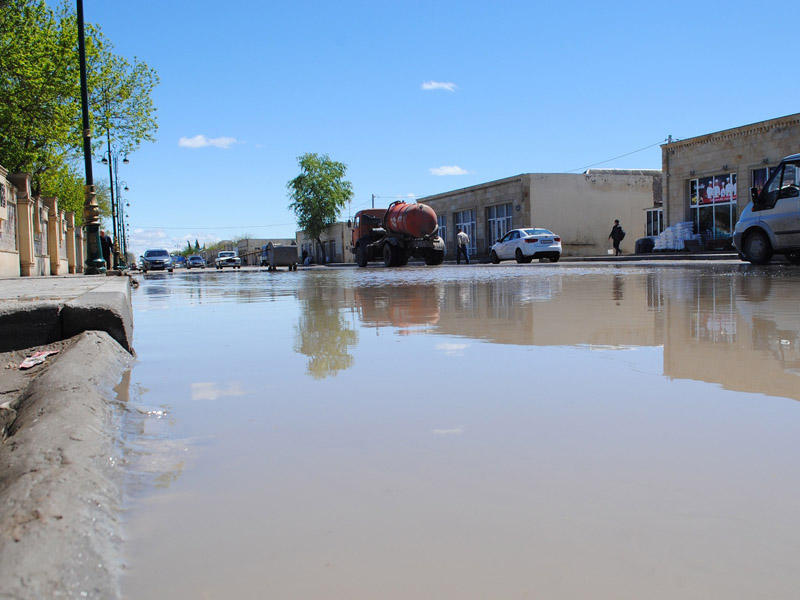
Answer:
(519, 87)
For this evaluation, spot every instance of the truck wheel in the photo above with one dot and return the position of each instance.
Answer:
(494, 258)
(757, 248)
(361, 255)
(793, 257)
(389, 255)
(434, 257)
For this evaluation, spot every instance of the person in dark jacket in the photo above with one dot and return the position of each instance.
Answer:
(106, 243)
(616, 236)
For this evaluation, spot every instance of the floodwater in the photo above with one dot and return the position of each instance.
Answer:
(479, 432)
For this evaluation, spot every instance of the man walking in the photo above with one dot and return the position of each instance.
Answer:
(462, 241)
(106, 244)
(616, 236)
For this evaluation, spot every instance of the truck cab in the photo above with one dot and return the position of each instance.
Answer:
(770, 224)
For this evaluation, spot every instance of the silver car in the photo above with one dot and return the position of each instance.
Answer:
(770, 224)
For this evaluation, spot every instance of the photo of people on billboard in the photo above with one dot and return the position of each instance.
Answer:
(717, 189)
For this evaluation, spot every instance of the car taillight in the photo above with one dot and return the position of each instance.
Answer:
(531, 240)
(557, 239)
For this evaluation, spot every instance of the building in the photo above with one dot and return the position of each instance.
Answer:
(707, 179)
(581, 208)
(337, 242)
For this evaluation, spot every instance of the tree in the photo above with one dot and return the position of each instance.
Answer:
(318, 194)
(40, 121)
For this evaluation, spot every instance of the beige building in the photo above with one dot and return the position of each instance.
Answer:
(707, 179)
(581, 208)
(337, 242)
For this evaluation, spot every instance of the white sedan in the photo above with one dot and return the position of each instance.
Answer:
(526, 244)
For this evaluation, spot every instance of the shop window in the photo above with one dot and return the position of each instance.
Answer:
(713, 203)
(655, 221)
(498, 222)
(465, 220)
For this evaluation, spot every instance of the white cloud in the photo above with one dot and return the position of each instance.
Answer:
(201, 141)
(451, 170)
(439, 85)
(452, 431)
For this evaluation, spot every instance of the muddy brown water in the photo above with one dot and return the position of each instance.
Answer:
(482, 432)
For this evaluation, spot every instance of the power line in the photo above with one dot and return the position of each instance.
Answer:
(602, 162)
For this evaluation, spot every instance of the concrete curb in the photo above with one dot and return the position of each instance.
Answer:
(106, 307)
(59, 493)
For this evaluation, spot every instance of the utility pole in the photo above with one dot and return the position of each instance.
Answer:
(112, 164)
(95, 265)
(373, 200)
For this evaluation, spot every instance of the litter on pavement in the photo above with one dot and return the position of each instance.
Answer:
(35, 359)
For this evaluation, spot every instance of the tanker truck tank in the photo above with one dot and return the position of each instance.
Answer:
(416, 220)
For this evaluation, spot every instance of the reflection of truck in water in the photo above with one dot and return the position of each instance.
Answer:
(397, 233)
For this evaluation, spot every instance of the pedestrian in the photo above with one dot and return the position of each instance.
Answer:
(106, 244)
(462, 241)
(616, 236)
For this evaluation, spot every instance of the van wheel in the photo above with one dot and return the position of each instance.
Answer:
(793, 257)
(494, 258)
(757, 248)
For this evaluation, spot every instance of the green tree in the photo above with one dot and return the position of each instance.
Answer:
(318, 194)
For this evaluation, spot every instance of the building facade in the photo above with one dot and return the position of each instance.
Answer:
(707, 179)
(336, 239)
(581, 208)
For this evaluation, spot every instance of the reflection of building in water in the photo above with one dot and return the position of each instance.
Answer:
(323, 332)
(554, 310)
(740, 332)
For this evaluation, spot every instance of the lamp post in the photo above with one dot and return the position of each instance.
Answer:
(112, 160)
(95, 265)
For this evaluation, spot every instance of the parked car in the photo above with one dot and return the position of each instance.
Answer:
(526, 244)
(178, 261)
(156, 259)
(195, 262)
(770, 224)
(228, 258)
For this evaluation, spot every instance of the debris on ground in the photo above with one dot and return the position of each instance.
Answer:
(35, 359)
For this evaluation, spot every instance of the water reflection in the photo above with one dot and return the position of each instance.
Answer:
(738, 331)
(323, 332)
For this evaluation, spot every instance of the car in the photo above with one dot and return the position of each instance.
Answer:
(228, 258)
(156, 259)
(178, 261)
(526, 244)
(195, 262)
(770, 224)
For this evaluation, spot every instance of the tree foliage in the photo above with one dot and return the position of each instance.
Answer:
(318, 193)
(40, 111)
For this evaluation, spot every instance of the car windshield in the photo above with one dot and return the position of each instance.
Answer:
(538, 232)
(226, 254)
(156, 254)
(195, 258)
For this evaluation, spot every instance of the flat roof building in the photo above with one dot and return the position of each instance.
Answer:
(707, 178)
(580, 208)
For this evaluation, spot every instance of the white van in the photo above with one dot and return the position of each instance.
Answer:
(770, 224)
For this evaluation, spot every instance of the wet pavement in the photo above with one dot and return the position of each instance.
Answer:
(486, 432)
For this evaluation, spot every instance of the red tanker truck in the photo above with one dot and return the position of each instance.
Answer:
(397, 233)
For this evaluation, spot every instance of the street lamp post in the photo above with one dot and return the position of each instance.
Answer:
(112, 159)
(91, 212)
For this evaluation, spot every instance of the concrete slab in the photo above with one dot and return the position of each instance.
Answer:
(42, 310)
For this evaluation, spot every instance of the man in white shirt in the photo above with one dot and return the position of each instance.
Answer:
(462, 241)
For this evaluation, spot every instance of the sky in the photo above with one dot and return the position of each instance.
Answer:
(418, 98)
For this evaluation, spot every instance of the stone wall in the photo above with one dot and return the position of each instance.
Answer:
(9, 246)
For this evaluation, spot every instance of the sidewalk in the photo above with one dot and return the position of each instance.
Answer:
(42, 310)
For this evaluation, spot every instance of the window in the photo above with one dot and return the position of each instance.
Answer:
(655, 221)
(442, 222)
(783, 184)
(465, 220)
(713, 204)
(498, 222)
(760, 176)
